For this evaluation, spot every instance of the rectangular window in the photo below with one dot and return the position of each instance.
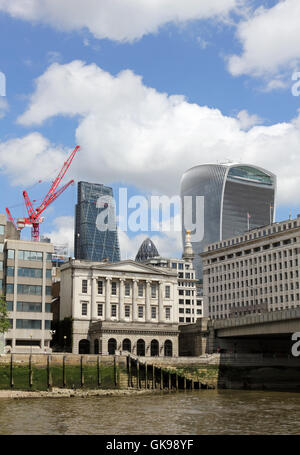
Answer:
(167, 292)
(114, 288)
(84, 308)
(28, 307)
(48, 307)
(168, 313)
(141, 311)
(141, 290)
(153, 312)
(10, 254)
(114, 311)
(100, 309)
(29, 273)
(28, 324)
(127, 311)
(47, 325)
(10, 306)
(30, 289)
(10, 271)
(100, 287)
(84, 286)
(153, 291)
(49, 274)
(127, 289)
(1, 229)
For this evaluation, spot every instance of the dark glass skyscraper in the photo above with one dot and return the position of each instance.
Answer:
(237, 197)
(92, 243)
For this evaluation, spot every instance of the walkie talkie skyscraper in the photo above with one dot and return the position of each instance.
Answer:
(236, 198)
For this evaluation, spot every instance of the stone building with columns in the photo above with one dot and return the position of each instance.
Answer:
(123, 306)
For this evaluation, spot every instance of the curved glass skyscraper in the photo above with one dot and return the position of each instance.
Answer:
(235, 198)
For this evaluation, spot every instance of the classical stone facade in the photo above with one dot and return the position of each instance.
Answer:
(125, 306)
(253, 273)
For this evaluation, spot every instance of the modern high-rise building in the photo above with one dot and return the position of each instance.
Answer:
(235, 199)
(96, 235)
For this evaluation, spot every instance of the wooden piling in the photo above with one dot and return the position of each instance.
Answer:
(81, 372)
(30, 371)
(64, 371)
(11, 379)
(98, 371)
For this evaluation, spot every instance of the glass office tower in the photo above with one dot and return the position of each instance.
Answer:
(92, 243)
(237, 197)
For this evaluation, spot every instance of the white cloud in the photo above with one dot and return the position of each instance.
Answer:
(132, 133)
(63, 232)
(29, 159)
(247, 120)
(119, 20)
(270, 40)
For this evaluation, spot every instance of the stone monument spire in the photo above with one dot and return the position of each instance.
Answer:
(188, 253)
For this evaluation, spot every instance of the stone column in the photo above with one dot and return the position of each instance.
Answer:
(94, 311)
(148, 300)
(107, 299)
(134, 300)
(161, 316)
(122, 300)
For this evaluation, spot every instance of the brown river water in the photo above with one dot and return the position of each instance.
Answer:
(182, 413)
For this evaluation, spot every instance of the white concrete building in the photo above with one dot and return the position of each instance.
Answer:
(254, 272)
(120, 306)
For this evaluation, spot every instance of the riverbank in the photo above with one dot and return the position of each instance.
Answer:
(71, 393)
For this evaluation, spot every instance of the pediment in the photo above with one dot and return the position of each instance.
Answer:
(133, 267)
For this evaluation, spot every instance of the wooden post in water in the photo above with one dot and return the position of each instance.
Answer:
(153, 377)
(81, 372)
(30, 371)
(11, 372)
(184, 383)
(64, 371)
(98, 371)
(129, 371)
(146, 376)
(169, 380)
(176, 381)
(137, 374)
(161, 379)
(49, 376)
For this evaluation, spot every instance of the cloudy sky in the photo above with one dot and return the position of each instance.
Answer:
(148, 89)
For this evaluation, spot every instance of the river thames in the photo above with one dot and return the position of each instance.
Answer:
(183, 413)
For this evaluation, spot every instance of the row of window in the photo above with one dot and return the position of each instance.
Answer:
(28, 272)
(127, 311)
(28, 255)
(255, 235)
(128, 289)
(189, 311)
(27, 289)
(30, 324)
(271, 300)
(28, 307)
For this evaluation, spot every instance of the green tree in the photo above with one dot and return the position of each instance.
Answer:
(4, 321)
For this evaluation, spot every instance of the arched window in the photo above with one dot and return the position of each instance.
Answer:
(140, 347)
(154, 348)
(126, 346)
(96, 347)
(84, 347)
(112, 346)
(168, 348)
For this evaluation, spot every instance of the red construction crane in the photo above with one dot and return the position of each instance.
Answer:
(34, 215)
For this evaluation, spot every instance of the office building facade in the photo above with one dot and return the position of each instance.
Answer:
(235, 197)
(125, 306)
(253, 273)
(96, 235)
(26, 286)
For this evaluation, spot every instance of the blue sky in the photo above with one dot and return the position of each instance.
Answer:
(190, 58)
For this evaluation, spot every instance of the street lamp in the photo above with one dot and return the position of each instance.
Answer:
(30, 344)
(65, 339)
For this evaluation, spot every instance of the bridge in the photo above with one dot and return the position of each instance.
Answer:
(268, 332)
